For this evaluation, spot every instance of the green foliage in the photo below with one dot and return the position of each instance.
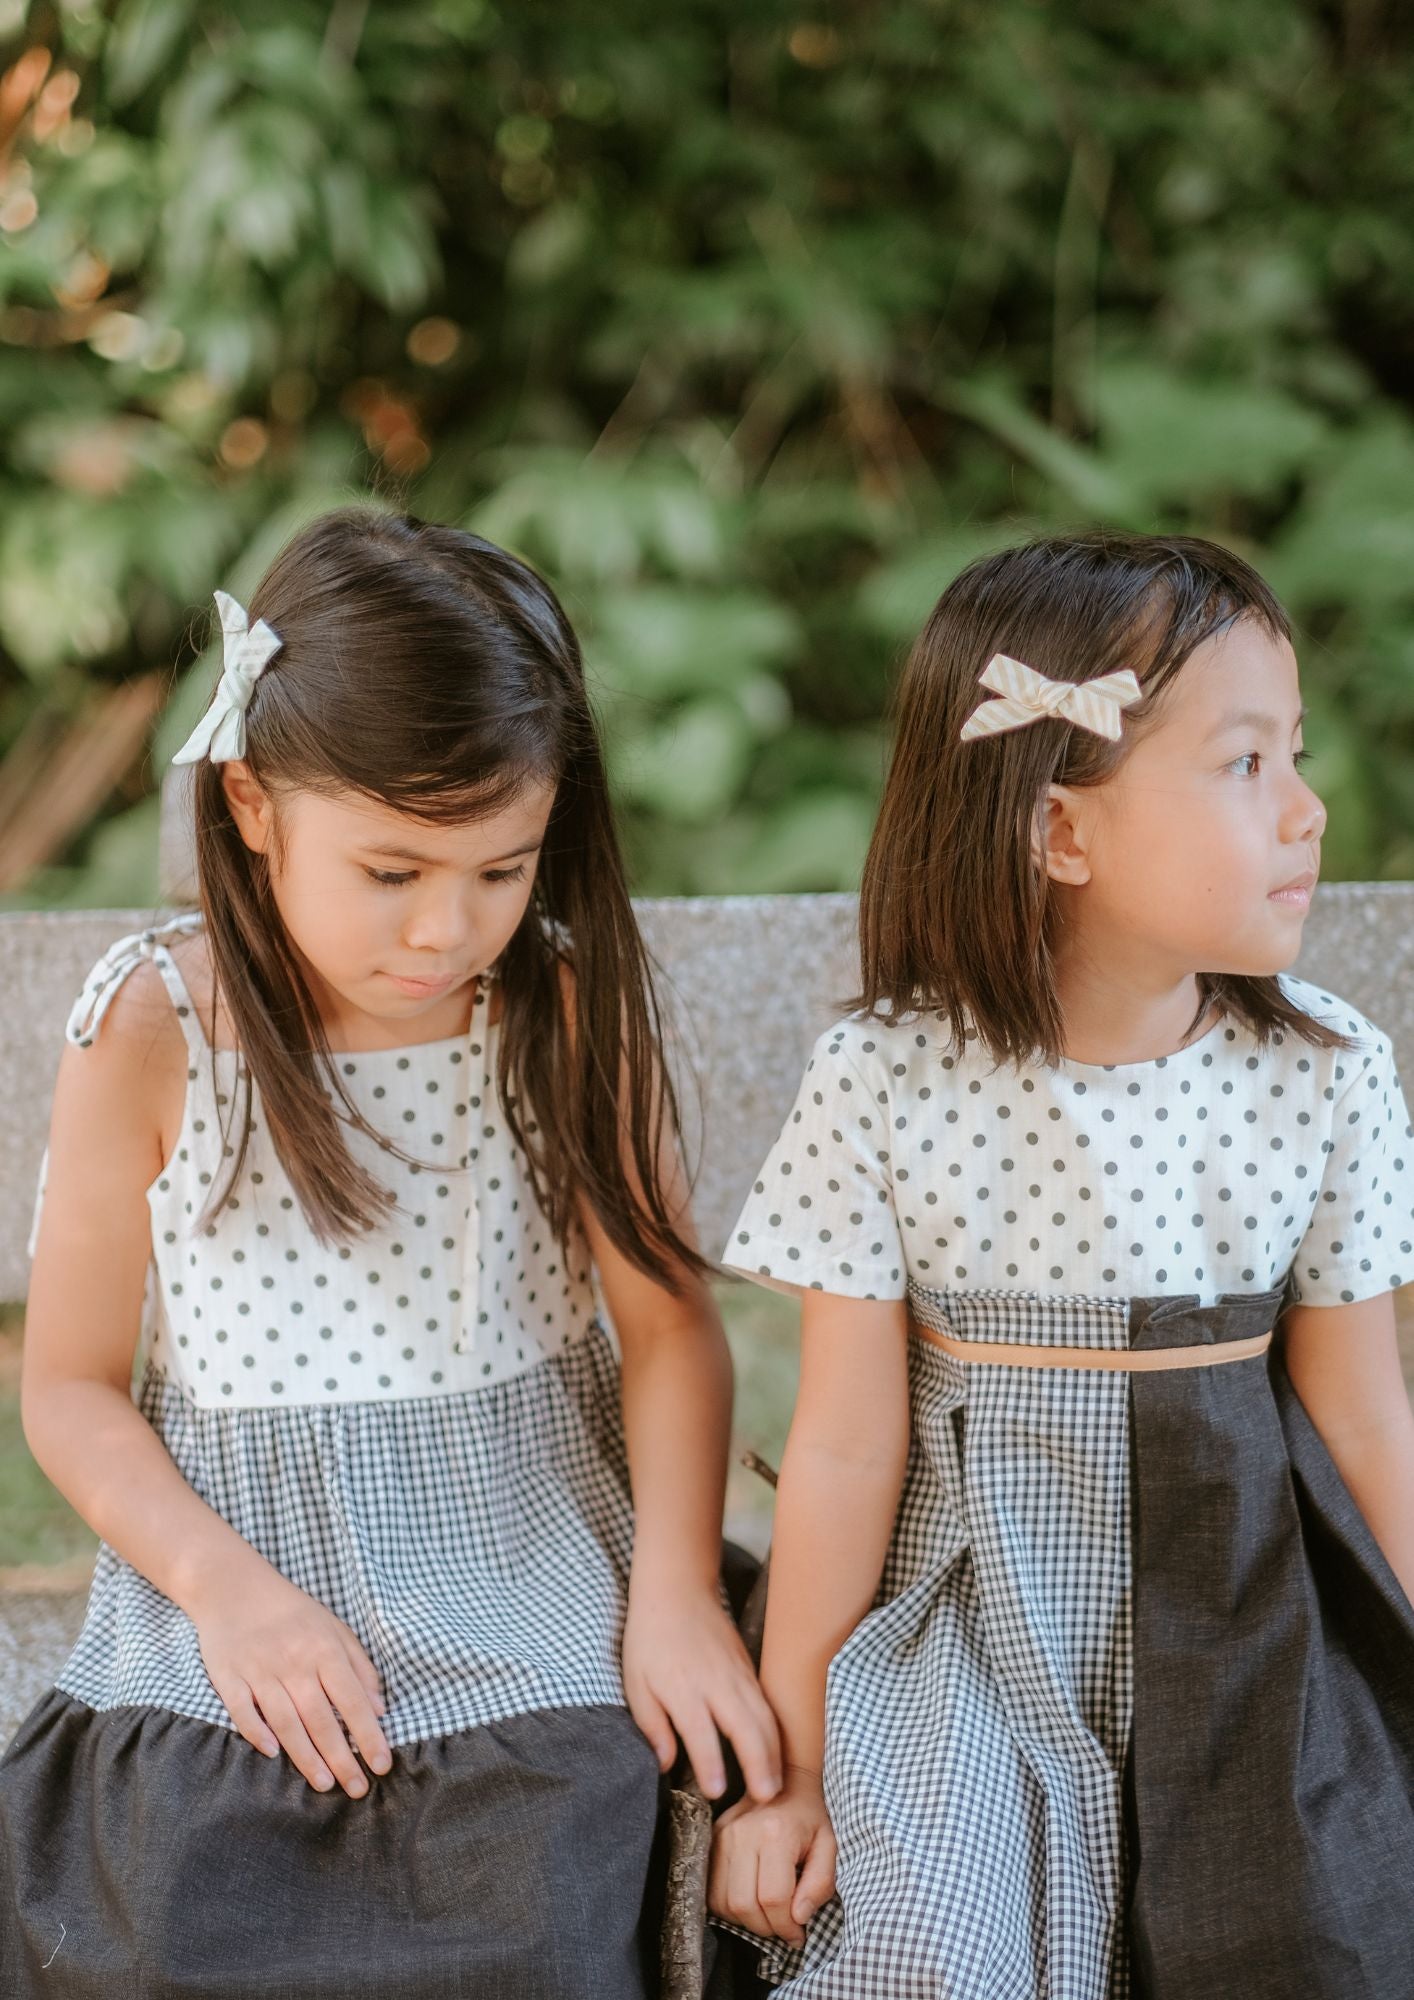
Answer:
(750, 325)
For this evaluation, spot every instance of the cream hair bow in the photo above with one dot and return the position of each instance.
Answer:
(1028, 696)
(247, 652)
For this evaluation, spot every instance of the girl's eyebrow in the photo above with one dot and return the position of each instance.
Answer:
(1252, 718)
(429, 861)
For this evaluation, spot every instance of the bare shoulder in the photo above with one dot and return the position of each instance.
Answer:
(139, 1039)
(113, 1106)
(118, 1099)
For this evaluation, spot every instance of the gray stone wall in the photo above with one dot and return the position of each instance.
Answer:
(749, 980)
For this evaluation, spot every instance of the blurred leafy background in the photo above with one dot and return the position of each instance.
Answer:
(750, 325)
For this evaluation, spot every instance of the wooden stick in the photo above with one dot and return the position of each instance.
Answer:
(685, 1916)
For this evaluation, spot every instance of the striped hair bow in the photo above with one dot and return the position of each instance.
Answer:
(1027, 696)
(246, 652)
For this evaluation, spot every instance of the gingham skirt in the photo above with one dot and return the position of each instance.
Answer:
(1135, 1710)
(478, 1544)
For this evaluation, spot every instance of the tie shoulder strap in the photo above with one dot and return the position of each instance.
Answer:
(118, 963)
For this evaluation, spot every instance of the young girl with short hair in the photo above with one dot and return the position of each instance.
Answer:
(1089, 1629)
(377, 1676)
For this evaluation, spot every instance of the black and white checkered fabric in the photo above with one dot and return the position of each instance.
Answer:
(978, 1718)
(478, 1544)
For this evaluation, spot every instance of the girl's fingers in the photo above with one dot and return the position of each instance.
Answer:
(283, 1717)
(317, 1714)
(775, 1891)
(704, 1749)
(750, 1728)
(717, 1875)
(350, 1696)
(817, 1877)
(743, 1904)
(240, 1706)
(367, 1673)
(652, 1718)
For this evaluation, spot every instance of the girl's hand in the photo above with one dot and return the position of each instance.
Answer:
(686, 1670)
(283, 1664)
(773, 1866)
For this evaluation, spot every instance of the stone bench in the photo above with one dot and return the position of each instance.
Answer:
(751, 981)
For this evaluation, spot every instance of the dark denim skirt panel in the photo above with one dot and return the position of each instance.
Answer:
(1272, 1781)
(1133, 1716)
(148, 1856)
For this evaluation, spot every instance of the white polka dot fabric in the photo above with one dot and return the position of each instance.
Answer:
(422, 1429)
(463, 1286)
(977, 1719)
(1212, 1171)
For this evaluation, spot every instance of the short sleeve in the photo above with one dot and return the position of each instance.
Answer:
(821, 1215)
(1361, 1237)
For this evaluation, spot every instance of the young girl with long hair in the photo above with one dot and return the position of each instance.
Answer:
(378, 1674)
(1089, 1628)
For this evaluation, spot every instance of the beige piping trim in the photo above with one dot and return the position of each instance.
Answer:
(1128, 1360)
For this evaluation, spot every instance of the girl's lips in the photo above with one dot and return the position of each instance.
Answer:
(421, 989)
(1295, 895)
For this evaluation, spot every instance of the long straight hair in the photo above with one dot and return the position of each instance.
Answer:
(426, 669)
(955, 913)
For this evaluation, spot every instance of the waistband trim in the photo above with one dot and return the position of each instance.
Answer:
(1124, 1360)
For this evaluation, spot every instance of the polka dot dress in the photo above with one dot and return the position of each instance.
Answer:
(1094, 1571)
(1219, 1169)
(435, 1400)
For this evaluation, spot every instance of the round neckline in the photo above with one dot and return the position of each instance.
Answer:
(1203, 1043)
(460, 1041)
(372, 1055)
(402, 1048)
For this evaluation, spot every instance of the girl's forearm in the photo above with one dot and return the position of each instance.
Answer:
(95, 1446)
(834, 1517)
(677, 1398)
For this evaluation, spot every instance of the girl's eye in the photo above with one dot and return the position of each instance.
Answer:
(391, 879)
(1300, 757)
(1247, 765)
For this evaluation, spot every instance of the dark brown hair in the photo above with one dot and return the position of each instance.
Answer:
(954, 912)
(427, 669)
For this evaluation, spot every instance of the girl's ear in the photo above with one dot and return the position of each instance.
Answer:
(1062, 836)
(251, 806)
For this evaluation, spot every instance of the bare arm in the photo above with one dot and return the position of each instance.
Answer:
(274, 1656)
(684, 1664)
(677, 1402)
(81, 1325)
(1344, 1365)
(841, 1477)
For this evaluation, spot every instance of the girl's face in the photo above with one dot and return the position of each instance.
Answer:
(1201, 852)
(393, 918)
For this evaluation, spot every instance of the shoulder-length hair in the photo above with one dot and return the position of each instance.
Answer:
(427, 669)
(955, 914)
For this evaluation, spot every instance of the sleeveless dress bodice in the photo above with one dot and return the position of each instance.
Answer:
(420, 1428)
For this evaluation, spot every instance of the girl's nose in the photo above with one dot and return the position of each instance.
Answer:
(438, 924)
(1308, 815)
